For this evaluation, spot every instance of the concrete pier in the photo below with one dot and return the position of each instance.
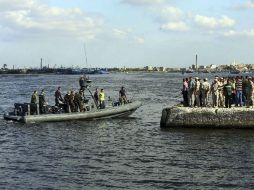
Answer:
(207, 117)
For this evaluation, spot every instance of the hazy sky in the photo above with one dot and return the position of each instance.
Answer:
(130, 33)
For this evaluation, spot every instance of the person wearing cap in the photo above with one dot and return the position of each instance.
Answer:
(205, 89)
(58, 97)
(250, 88)
(191, 96)
(122, 96)
(197, 91)
(215, 93)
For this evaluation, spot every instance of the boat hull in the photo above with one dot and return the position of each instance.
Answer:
(118, 111)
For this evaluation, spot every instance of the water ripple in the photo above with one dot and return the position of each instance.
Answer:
(132, 153)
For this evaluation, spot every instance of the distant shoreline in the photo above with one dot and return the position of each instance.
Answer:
(41, 72)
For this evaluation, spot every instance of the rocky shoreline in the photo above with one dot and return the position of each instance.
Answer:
(236, 117)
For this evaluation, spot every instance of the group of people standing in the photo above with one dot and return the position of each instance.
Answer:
(38, 100)
(73, 101)
(224, 91)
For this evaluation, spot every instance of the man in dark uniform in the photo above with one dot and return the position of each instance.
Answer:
(42, 101)
(83, 82)
(71, 101)
(79, 101)
(34, 103)
(76, 102)
(96, 97)
(58, 97)
(67, 102)
(227, 90)
(122, 96)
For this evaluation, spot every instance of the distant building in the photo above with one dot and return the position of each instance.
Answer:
(183, 69)
(173, 69)
(212, 66)
(163, 69)
(149, 68)
(251, 67)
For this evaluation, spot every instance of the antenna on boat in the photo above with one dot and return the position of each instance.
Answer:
(85, 53)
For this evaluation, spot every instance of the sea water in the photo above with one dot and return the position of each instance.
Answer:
(127, 153)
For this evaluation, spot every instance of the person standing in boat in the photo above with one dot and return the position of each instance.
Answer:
(58, 97)
(35, 98)
(122, 96)
(71, 101)
(83, 82)
(96, 97)
(42, 102)
(102, 99)
(67, 101)
(34, 103)
(76, 102)
(81, 101)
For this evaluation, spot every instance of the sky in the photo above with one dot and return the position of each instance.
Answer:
(125, 33)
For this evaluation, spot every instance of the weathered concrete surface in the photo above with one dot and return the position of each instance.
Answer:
(208, 117)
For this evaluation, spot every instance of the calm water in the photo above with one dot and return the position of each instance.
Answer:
(132, 153)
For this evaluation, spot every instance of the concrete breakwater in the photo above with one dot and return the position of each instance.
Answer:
(237, 117)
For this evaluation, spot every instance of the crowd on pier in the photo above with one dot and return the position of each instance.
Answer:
(221, 92)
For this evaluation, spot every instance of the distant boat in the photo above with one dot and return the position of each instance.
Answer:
(189, 71)
(101, 71)
(205, 71)
(234, 72)
(92, 70)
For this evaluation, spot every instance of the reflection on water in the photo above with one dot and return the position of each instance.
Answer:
(129, 153)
